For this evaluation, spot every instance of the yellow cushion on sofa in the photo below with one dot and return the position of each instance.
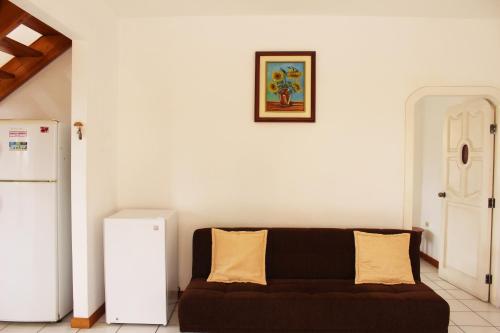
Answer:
(383, 258)
(238, 256)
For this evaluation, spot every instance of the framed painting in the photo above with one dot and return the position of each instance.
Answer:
(285, 84)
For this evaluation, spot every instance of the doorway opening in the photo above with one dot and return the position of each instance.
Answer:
(449, 183)
(430, 114)
(453, 185)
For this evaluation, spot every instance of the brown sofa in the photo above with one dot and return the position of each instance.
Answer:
(310, 276)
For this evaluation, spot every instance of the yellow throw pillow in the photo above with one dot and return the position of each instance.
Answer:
(383, 258)
(238, 256)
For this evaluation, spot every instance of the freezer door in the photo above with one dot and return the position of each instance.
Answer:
(28, 252)
(28, 150)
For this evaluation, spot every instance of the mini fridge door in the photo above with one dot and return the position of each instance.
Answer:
(135, 276)
(28, 252)
(28, 150)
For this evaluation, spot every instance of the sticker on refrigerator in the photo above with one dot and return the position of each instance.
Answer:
(18, 139)
(18, 146)
(18, 133)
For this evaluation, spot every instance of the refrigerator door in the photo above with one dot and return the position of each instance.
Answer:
(28, 150)
(135, 276)
(28, 251)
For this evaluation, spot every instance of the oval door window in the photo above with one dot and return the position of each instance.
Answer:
(465, 154)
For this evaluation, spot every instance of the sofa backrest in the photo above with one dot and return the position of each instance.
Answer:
(303, 253)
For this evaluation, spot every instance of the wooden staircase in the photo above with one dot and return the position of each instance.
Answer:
(27, 60)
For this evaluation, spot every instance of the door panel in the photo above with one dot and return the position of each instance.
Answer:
(468, 182)
(464, 242)
(28, 150)
(473, 180)
(455, 131)
(28, 252)
(453, 177)
(476, 130)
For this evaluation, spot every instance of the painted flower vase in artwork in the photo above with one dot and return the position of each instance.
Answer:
(285, 97)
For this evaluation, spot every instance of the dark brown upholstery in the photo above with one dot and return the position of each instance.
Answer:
(310, 288)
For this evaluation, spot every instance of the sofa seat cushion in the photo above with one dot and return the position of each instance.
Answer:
(309, 304)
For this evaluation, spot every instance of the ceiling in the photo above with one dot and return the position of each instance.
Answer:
(404, 8)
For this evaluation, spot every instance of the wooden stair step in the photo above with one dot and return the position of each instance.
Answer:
(6, 75)
(40, 27)
(10, 17)
(17, 49)
(27, 60)
(26, 67)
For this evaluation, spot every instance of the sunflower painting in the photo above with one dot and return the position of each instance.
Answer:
(285, 82)
(285, 86)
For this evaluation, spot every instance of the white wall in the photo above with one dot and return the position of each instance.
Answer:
(184, 135)
(430, 115)
(47, 95)
(92, 26)
(398, 8)
(187, 140)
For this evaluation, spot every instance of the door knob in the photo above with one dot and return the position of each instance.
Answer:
(442, 194)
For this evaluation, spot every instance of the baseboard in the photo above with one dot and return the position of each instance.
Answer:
(90, 321)
(429, 259)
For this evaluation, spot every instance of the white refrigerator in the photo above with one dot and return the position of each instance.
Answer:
(35, 221)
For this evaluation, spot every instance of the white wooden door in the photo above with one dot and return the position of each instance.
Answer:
(468, 147)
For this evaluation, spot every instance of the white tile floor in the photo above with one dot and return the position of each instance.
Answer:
(99, 327)
(468, 315)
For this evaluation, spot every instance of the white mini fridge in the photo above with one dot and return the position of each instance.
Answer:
(140, 262)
